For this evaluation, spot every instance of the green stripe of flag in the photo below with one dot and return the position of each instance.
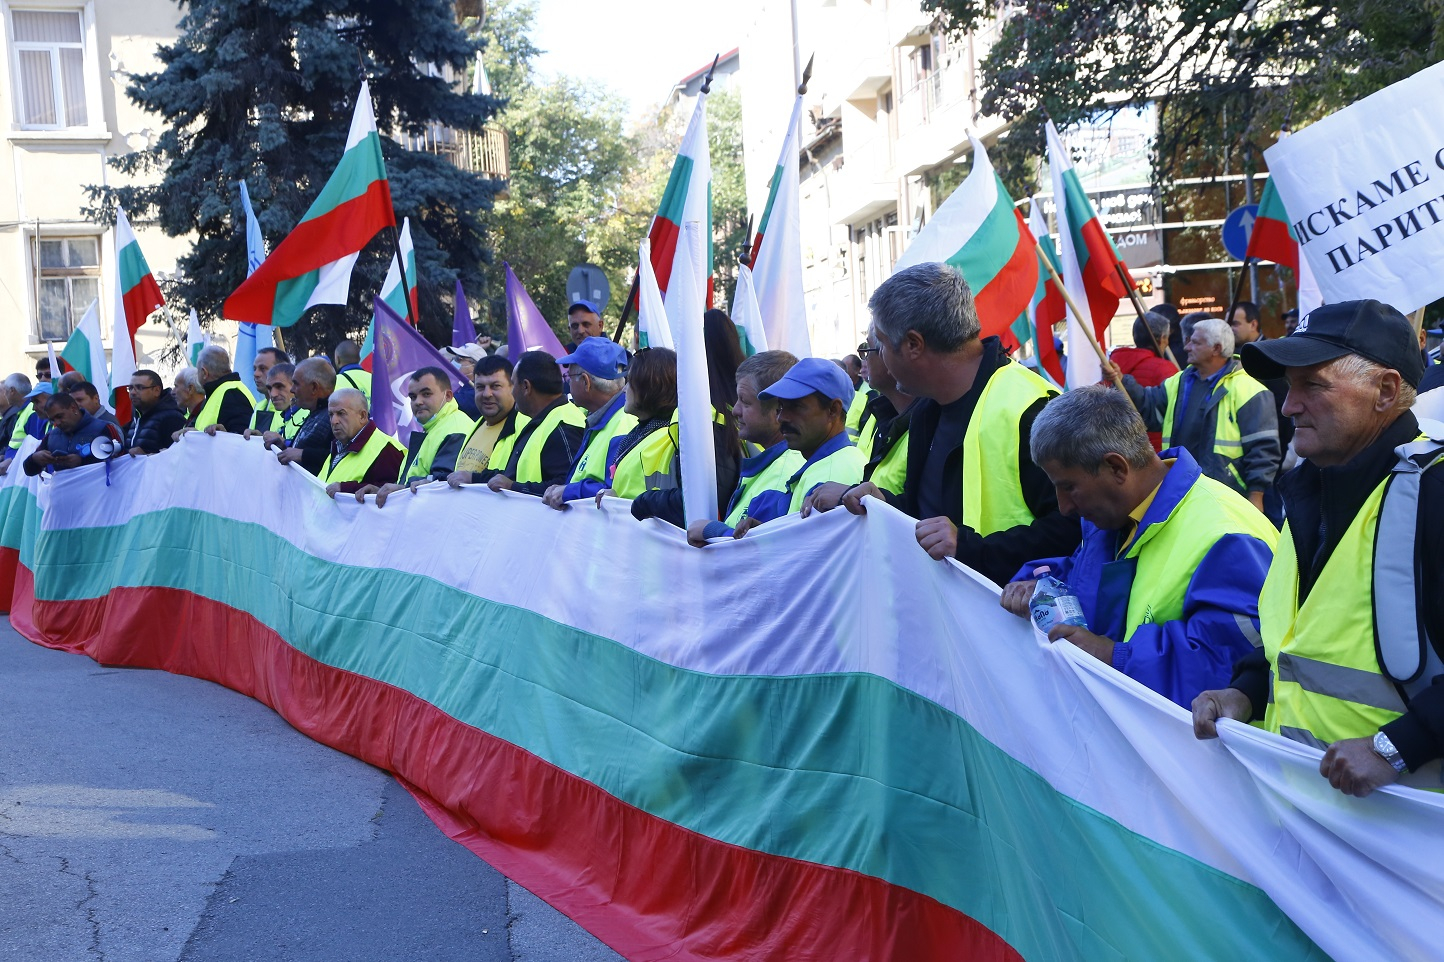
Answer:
(715, 753)
(992, 245)
(674, 198)
(360, 167)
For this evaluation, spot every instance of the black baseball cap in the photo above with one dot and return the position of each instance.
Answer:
(1370, 329)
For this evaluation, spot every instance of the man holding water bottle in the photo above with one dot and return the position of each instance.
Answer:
(1172, 562)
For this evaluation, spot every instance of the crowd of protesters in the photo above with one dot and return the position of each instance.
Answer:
(1160, 504)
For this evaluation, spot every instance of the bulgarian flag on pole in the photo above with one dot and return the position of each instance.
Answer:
(86, 354)
(777, 264)
(393, 294)
(137, 296)
(313, 264)
(688, 197)
(1271, 239)
(1090, 263)
(1047, 307)
(979, 231)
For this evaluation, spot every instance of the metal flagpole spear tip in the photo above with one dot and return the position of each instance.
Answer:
(707, 82)
(806, 76)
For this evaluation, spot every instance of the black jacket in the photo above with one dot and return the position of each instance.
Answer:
(667, 503)
(314, 437)
(1321, 503)
(7, 424)
(892, 426)
(557, 453)
(235, 412)
(999, 555)
(152, 431)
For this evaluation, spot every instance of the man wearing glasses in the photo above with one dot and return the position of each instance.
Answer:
(157, 416)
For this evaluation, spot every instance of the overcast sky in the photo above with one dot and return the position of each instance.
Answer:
(638, 48)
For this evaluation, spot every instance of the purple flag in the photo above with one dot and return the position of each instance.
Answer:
(526, 329)
(463, 332)
(400, 351)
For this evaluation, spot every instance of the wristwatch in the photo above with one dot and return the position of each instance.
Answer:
(1385, 749)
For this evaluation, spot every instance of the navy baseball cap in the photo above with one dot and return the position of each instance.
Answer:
(813, 375)
(586, 305)
(1370, 329)
(599, 357)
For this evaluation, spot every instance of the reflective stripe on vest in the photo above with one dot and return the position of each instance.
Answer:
(592, 462)
(1325, 655)
(448, 421)
(856, 410)
(528, 467)
(1406, 653)
(210, 412)
(17, 435)
(355, 464)
(360, 380)
(771, 478)
(992, 491)
(844, 466)
(1238, 388)
(648, 466)
(1169, 551)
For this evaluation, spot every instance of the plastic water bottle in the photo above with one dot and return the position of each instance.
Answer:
(1054, 603)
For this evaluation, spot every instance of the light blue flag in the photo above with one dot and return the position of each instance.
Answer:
(251, 337)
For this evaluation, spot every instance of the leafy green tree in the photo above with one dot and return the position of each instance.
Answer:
(263, 91)
(570, 160)
(1227, 74)
(729, 186)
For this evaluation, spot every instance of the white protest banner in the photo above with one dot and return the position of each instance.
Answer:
(1364, 188)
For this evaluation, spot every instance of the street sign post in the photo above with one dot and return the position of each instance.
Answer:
(1236, 230)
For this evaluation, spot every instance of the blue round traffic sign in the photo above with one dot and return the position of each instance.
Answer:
(1237, 228)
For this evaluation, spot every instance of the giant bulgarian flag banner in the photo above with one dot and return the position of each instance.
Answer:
(1090, 263)
(979, 231)
(687, 197)
(776, 258)
(313, 264)
(744, 752)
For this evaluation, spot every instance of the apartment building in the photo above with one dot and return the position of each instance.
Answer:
(887, 114)
(64, 113)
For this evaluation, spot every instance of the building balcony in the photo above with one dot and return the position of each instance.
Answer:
(862, 189)
(486, 152)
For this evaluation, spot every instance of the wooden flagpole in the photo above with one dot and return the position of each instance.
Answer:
(1085, 320)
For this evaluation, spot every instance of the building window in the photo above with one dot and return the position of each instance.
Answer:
(50, 61)
(69, 281)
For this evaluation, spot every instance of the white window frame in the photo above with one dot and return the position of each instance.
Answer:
(35, 273)
(95, 126)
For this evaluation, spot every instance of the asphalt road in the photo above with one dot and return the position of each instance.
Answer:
(147, 817)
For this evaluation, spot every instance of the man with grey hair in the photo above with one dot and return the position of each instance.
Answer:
(12, 397)
(1172, 562)
(228, 404)
(313, 382)
(1216, 411)
(969, 476)
(1352, 615)
(361, 454)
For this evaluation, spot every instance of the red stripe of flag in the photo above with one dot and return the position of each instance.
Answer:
(313, 244)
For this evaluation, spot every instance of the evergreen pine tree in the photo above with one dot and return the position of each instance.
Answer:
(263, 91)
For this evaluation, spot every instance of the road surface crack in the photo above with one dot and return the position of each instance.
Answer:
(92, 915)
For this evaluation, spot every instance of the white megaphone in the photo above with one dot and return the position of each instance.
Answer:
(105, 447)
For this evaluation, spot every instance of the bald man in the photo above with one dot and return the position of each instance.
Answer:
(349, 372)
(313, 382)
(361, 454)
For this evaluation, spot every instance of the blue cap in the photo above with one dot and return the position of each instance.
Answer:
(42, 388)
(589, 305)
(813, 375)
(599, 357)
